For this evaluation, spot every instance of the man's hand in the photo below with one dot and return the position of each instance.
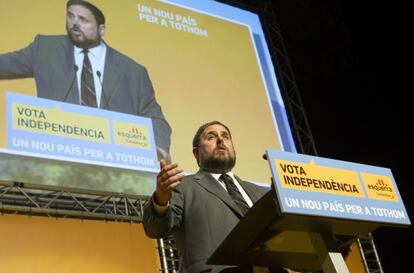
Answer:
(168, 178)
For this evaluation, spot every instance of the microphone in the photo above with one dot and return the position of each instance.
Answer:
(75, 68)
(98, 73)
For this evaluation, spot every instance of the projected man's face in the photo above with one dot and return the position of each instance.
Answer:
(215, 152)
(82, 27)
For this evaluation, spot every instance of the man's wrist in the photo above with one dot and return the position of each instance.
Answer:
(159, 209)
(157, 202)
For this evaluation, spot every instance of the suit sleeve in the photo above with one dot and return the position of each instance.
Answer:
(150, 108)
(18, 64)
(162, 226)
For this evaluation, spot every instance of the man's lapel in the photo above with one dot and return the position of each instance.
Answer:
(249, 191)
(70, 73)
(211, 185)
(111, 77)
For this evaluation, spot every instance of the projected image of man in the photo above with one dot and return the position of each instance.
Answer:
(81, 68)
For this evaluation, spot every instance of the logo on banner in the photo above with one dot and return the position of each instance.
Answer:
(131, 135)
(379, 187)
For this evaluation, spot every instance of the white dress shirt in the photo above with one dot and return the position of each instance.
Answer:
(243, 193)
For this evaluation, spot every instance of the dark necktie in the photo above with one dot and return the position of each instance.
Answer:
(234, 193)
(88, 95)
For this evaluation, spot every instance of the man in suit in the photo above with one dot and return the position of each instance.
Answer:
(200, 210)
(56, 62)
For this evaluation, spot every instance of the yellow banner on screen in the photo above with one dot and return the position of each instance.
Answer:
(58, 123)
(314, 178)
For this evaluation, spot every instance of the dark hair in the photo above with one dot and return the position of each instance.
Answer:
(197, 136)
(97, 13)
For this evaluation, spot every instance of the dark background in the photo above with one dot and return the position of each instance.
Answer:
(352, 61)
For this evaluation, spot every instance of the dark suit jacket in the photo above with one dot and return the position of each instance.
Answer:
(127, 87)
(201, 214)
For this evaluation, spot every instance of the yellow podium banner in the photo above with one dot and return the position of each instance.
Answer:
(322, 187)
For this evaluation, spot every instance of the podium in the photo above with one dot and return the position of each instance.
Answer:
(263, 238)
(308, 239)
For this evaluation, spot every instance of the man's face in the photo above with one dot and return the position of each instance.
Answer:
(215, 153)
(82, 27)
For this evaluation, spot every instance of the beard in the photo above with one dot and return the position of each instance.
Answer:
(218, 164)
(80, 40)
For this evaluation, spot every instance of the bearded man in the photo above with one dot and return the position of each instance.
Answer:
(200, 210)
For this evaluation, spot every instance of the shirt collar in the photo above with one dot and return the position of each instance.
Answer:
(217, 175)
(96, 52)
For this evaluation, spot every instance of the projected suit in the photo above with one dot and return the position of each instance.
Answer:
(201, 212)
(127, 87)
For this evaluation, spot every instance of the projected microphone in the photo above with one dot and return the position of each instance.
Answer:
(98, 73)
(75, 68)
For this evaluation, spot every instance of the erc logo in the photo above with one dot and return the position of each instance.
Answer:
(380, 185)
(132, 135)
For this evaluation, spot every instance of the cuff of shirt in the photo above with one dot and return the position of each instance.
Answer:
(160, 210)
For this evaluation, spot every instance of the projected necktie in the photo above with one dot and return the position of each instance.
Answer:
(234, 193)
(88, 95)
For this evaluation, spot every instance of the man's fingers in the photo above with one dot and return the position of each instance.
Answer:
(170, 186)
(174, 185)
(166, 175)
(168, 178)
(167, 170)
(166, 167)
(162, 164)
(165, 184)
